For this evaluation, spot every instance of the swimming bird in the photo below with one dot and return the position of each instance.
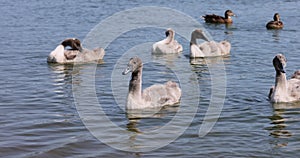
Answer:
(276, 23)
(76, 54)
(212, 18)
(284, 90)
(168, 45)
(296, 74)
(208, 48)
(155, 96)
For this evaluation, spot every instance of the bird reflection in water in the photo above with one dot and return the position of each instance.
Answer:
(281, 120)
(140, 119)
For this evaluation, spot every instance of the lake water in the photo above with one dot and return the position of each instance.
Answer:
(39, 101)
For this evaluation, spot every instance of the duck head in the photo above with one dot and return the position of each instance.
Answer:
(229, 13)
(279, 63)
(276, 17)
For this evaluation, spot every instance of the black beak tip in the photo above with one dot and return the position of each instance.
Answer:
(283, 71)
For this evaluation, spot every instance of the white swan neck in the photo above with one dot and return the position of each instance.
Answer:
(170, 38)
(281, 85)
(281, 79)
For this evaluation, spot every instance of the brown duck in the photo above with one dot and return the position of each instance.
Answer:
(276, 23)
(219, 19)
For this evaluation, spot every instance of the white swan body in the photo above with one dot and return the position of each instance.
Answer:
(284, 90)
(155, 96)
(208, 48)
(76, 54)
(168, 45)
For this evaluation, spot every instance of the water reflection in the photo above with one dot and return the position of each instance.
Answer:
(61, 70)
(143, 113)
(286, 106)
(275, 34)
(203, 67)
(168, 58)
(62, 76)
(141, 122)
(219, 25)
(278, 130)
(229, 28)
(132, 126)
(136, 116)
(281, 121)
(210, 60)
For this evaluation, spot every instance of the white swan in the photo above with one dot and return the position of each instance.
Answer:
(76, 54)
(284, 90)
(208, 48)
(168, 45)
(155, 96)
